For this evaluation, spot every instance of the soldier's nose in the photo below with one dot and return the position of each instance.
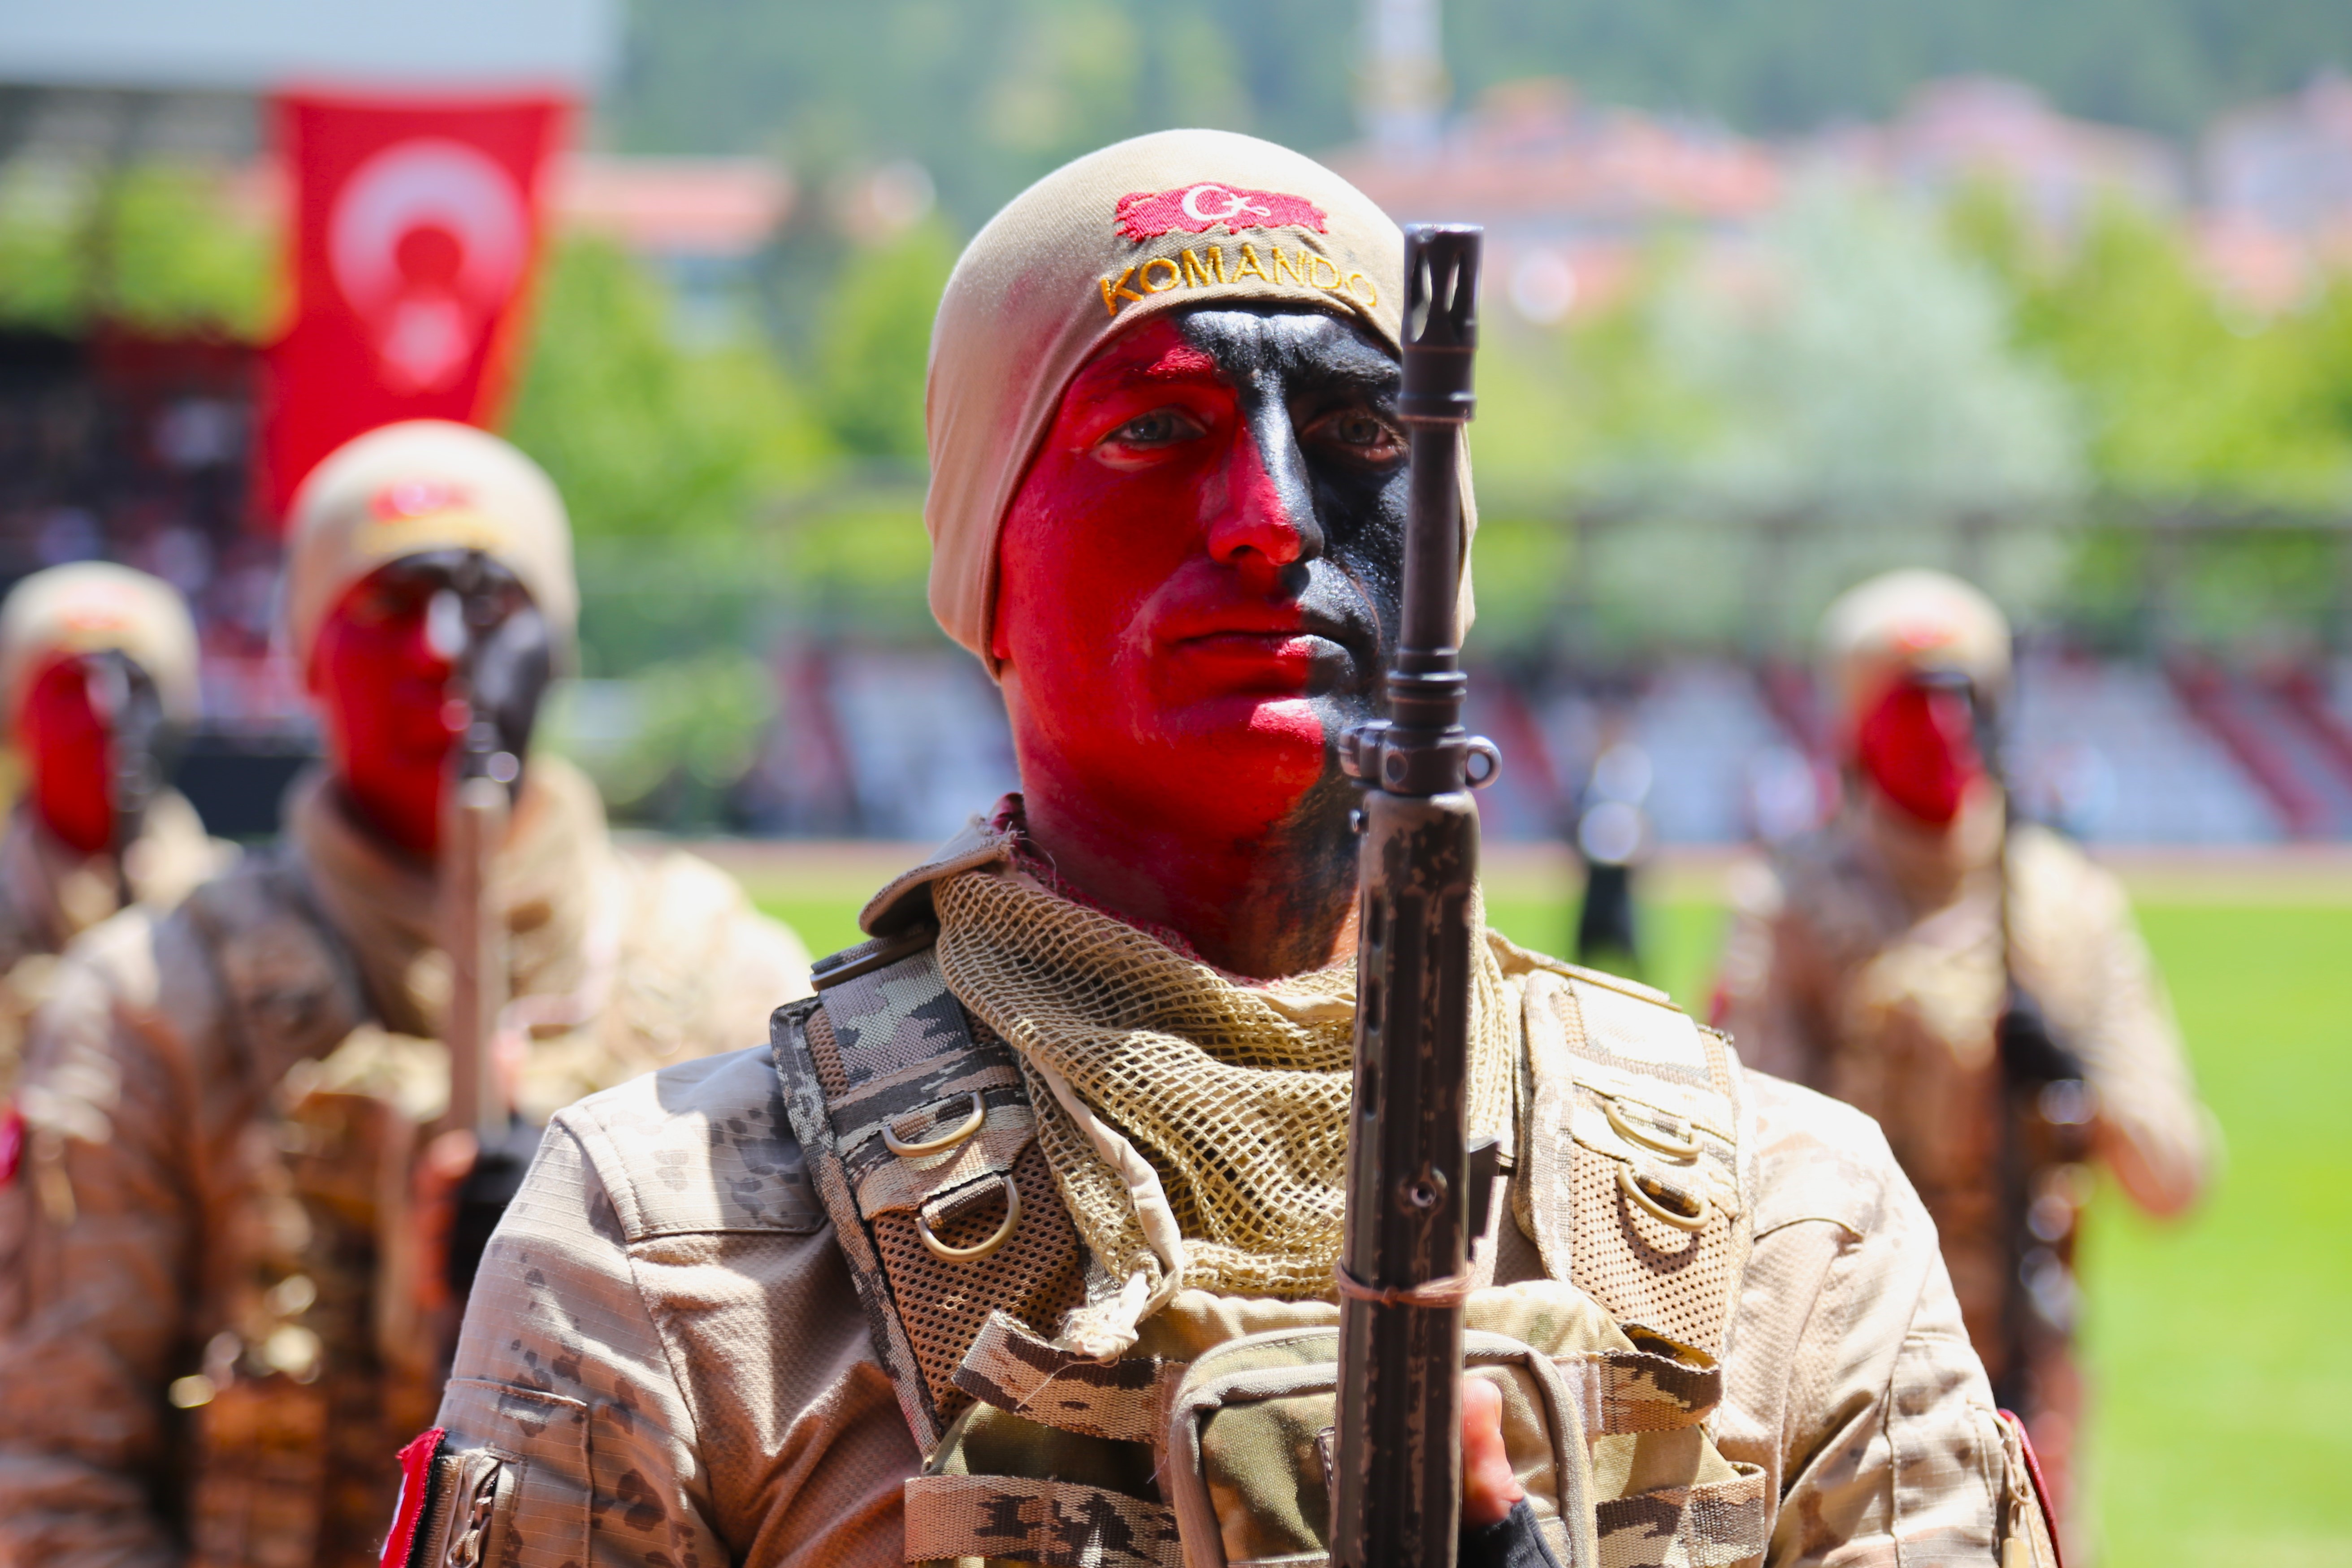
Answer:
(1267, 513)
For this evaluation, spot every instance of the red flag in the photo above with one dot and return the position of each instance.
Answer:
(416, 225)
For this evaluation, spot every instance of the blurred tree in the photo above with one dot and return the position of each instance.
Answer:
(2187, 395)
(156, 245)
(665, 453)
(874, 343)
(649, 439)
(1844, 396)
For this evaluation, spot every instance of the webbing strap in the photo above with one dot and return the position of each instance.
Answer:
(804, 1104)
(1713, 1525)
(900, 1065)
(1059, 1523)
(1125, 1400)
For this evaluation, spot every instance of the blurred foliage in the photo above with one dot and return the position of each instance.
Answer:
(155, 244)
(689, 729)
(2187, 394)
(875, 342)
(990, 94)
(650, 438)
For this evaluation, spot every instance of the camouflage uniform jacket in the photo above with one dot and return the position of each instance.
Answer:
(222, 1139)
(1863, 966)
(50, 894)
(668, 1339)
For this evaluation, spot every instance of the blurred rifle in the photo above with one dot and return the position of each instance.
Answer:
(500, 671)
(138, 741)
(2045, 1133)
(1416, 1191)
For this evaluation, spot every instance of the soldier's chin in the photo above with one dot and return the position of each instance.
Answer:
(1236, 738)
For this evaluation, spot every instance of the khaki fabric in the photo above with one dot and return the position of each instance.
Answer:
(51, 893)
(419, 486)
(1103, 242)
(1865, 961)
(670, 1268)
(174, 1126)
(1902, 623)
(91, 607)
(1228, 1093)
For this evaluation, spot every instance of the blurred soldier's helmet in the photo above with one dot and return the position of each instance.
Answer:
(96, 606)
(1906, 624)
(418, 486)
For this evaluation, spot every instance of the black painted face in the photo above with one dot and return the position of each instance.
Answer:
(1317, 395)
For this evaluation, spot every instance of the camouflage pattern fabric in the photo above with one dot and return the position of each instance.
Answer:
(739, 1410)
(218, 1346)
(49, 895)
(1864, 962)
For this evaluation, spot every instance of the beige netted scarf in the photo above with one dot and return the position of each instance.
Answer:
(1196, 1125)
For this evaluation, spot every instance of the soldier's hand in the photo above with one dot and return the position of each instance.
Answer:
(1489, 1490)
(1499, 1527)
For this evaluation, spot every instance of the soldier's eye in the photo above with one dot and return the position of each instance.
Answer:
(1160, 428)
(1363, 434)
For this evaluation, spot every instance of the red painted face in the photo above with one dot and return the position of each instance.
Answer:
(1196, 574)
(1918, 746)
(383, 689)
(70, 752)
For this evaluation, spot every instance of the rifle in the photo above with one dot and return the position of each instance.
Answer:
(2047, 1107)
(128, 702)
(1415, 1193)
(500, 672)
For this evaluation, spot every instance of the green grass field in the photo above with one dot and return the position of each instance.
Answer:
(2221, 1347)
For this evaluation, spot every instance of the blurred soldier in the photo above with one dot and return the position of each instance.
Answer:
(1976, 985)
(98, 668)
(229, 1316)
(926, 1278)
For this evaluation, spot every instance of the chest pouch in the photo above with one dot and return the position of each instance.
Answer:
(1250, 1446)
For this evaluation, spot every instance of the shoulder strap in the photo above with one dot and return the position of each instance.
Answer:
(921, 1138)
(1636, 1181)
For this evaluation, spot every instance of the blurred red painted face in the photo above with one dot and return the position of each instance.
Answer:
(1195, 576)
(381, 676)
(70, 752)
(1918, 746)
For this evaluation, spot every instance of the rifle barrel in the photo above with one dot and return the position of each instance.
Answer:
(1396, 1500)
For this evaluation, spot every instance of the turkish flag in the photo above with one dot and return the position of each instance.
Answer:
(417, 228)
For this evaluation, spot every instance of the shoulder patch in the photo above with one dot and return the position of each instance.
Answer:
(703, 1146)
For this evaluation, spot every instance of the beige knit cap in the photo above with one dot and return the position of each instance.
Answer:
(91, 607)
(1173, 220)
(418, 486)
(1909, 621)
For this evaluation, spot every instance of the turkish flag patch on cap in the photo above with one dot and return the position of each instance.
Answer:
(415, 1495)
(1198, 208)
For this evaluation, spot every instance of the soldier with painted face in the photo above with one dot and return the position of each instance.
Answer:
(991, 1254)
(98, 671)
(1874, 960)
(228, 1257)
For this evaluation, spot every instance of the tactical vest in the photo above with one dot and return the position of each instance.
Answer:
(1631, 1176)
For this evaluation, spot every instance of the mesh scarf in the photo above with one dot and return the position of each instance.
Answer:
(1196, 1126)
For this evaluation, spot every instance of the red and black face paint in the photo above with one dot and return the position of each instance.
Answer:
(1917, 745)
(1200, 576)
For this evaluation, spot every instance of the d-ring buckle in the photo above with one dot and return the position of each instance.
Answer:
(938, 1249)
(1686, 1149)
(1656, 1210)
(948, 1140)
